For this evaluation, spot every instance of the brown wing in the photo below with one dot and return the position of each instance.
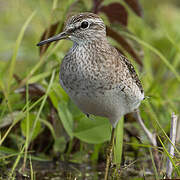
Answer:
(132, 72)
(114, 70)
(121, 66)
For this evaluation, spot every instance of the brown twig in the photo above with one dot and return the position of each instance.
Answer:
(169, 166)
(178, 132)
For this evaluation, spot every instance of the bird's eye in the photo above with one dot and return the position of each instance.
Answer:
(84, 24)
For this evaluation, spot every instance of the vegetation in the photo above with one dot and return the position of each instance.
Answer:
(43, 132)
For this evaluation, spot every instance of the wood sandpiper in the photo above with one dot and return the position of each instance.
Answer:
(98, 79)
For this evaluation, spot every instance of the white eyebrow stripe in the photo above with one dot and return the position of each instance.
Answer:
(91, 20)
(97, 20)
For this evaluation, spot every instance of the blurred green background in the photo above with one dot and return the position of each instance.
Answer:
(58, 125)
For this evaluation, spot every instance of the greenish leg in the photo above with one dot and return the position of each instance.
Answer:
(109, 154)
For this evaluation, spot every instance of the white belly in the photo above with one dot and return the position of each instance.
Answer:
(112, 104)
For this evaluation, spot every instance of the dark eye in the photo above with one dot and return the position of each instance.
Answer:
(84, 24)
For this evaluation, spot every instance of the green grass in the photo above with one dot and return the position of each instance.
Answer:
(54, 116)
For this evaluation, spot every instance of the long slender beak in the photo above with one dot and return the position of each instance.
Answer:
(60, 36)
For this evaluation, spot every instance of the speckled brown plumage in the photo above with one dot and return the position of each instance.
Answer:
(95, 75)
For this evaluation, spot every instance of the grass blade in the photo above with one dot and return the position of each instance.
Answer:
(42, 104)
(153, 163)
(119, 142)
(166, 62)
(169, 156)
(17, 45)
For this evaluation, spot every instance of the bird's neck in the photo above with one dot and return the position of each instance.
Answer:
(100, 43)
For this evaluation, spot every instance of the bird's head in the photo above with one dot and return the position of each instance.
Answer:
(81, 28)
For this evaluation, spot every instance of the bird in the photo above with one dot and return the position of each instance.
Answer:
(96, 76)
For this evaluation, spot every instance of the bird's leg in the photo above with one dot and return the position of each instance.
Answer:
(109, 154)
